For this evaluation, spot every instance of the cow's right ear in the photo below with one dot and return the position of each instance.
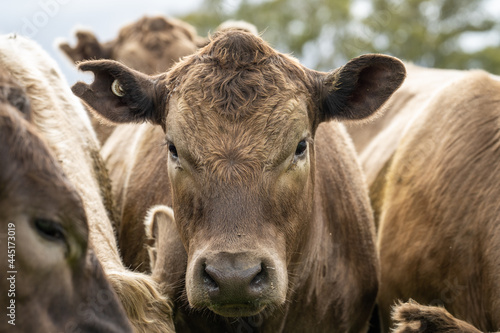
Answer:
(121, 94)
(359, 88)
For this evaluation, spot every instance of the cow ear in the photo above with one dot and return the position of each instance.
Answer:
(156, 217)
(121, 94)
(87, 47)
(359, 88)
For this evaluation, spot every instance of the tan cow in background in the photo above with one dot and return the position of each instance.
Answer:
(272, 219)
(151, 45)
(377, 139)
(439, 233)
(61, 120)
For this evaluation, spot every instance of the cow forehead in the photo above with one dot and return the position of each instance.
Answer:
(241, 148)
(237, 75)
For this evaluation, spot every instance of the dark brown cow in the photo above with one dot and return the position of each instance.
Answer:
(272, 219)
(150, 45)
(51, 281)
(439, 235)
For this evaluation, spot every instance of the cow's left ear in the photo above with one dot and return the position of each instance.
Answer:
(121, 94)
(359, 88)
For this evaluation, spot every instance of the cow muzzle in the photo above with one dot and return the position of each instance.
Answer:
(236, 284)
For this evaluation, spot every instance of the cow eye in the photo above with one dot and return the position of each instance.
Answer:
(301, 148)
(172, 150)
(50, 230)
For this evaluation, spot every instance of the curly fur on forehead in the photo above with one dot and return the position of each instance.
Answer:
(237, 75)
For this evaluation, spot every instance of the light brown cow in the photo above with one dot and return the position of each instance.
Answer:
(412, 317)
(51, 281)
(150, 45)
(439, 235)
(272, 219)
(62, 121)
(377, 139)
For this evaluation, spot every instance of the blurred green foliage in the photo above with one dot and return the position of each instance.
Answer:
(325, 34)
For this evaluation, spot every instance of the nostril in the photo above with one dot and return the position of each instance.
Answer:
(208, 280)
(260, 278)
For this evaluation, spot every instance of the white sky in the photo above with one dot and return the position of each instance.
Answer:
(47, 20)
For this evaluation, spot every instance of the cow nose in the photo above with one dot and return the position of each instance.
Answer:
(229, 282)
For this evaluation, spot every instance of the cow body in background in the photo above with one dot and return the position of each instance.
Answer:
(377, 139)
(439, 234)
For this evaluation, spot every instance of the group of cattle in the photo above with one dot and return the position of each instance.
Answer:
(286, 220)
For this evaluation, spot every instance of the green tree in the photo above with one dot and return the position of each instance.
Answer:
(425, 32)
(291, 26)
(325, 34)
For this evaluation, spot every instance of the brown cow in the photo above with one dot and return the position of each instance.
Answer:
(62, 121)
(51, 281)
(272, 219)
(150, 45)
(439, 235)
(412, 317)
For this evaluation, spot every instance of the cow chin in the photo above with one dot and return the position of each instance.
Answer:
(236, 284)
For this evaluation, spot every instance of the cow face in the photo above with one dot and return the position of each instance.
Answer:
(239, 121)
(54, 283)
(150, 45)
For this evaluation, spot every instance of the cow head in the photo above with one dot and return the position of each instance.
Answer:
(150, 45)
(52, 277)
(239, 121)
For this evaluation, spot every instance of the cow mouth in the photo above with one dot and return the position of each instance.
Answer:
(237, 310)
